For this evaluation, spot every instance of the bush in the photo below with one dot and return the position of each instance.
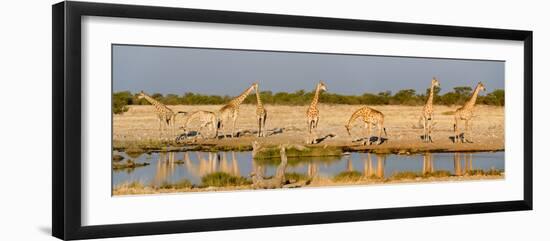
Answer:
(120, 100)
(405, 175)
(458, 96)
(222, 179)
(181, 184)
(295, 176)
(348, 176)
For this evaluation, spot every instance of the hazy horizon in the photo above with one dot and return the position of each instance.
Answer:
(178, 70)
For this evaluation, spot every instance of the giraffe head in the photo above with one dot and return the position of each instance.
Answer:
(348, 128)
(254, 86)
(481, 86)
(322, 86)
(435, 82)
(141, 95)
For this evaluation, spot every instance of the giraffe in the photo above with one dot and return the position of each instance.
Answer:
(261, 114)
(370, 117)
(166, 117)
(465, 113)
(312, 113)
(206, 119)
(428, 112)
(231, 109)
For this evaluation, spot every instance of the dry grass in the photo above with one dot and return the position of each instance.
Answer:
(138, 188)
(138, 128)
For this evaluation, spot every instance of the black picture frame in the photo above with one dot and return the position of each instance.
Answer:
(66, 76)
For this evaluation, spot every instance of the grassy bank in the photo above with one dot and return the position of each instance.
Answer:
(226, 182)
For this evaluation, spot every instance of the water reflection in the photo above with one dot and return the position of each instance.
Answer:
(168, 167)
(368, 168)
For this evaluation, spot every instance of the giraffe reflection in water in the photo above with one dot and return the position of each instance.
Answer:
(165, 168)
(171, 167)
(368, 168)
(460, 169)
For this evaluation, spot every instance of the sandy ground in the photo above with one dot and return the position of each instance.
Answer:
(404, 131)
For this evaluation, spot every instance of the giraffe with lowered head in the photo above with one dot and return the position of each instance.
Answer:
(231, 109)
(261, 114)
(428, 112)
(465, 113)
(370, 117)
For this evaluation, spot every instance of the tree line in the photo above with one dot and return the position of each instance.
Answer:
(458, 96)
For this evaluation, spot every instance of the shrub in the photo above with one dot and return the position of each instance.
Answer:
(438, 173)
(295, 176)
(405, 175)
(120, 100)
(348, 176)
(181, 184)
(301, 97)
(222, 179)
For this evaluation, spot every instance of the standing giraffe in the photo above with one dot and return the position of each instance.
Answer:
(370, 117)
(167, 117)
(465, 113)
(261, 114)
(428, 112)
(231, 109)
(312, 112)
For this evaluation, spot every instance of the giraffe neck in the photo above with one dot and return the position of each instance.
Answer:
(353, 117)
(159, 106)
(258, 99)
(239, 99)
(431, 96)
(315, 97)
(473, 99)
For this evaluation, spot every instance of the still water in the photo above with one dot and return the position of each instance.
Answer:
(168, 167)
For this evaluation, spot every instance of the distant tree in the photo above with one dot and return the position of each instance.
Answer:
(494, 98)
(120, 101)
(171, 99)
(301, 97)
(405, 97)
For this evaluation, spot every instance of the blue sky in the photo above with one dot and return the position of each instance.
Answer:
(227, 72)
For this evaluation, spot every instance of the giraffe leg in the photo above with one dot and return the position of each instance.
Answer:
(316, 121)
(467, 130)
(235, 115)
(455, 129)
(259, 126)
(265, 128)
(160, 129)
(368, 133)
(424, 125)
(430, 125)
(379, 133)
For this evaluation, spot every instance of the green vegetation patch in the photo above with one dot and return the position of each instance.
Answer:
(405, 175)
(348, 176)
(480, 172)
(295, 176)
(181, 184)
(117, 158)
(131, 185)
(438, 173)
(459, 95)
(128, 164)
(293, 152)
(222, 179)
